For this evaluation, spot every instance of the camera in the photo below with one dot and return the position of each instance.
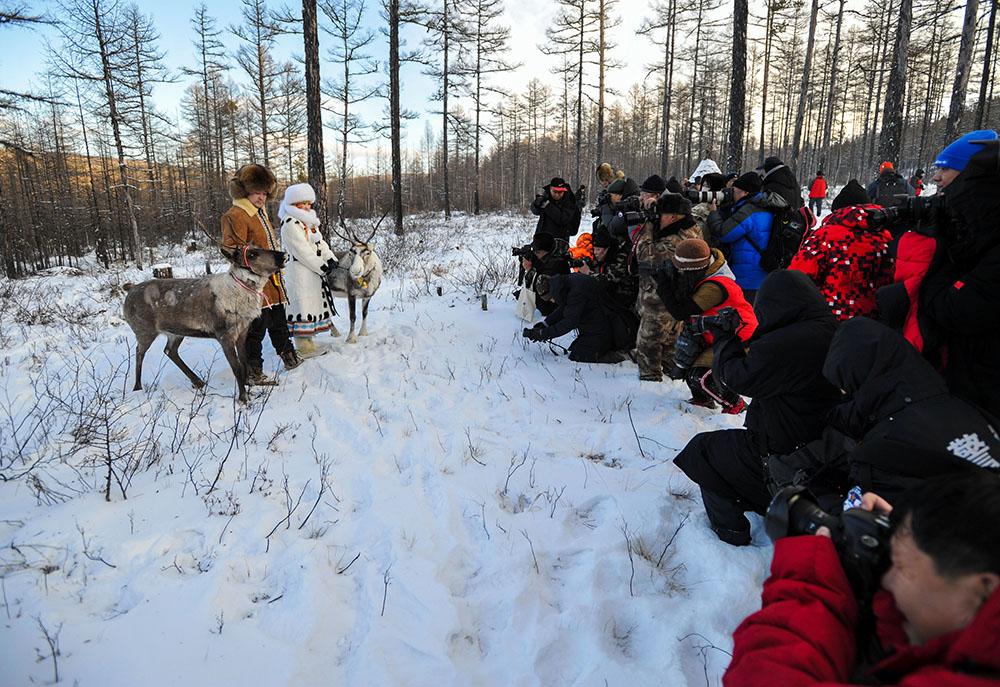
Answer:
(861, 537)
(916, 209)
(525, 252)
(723, 196)
(726, 320)
(580, 262)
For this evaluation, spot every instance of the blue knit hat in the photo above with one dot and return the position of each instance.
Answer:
(957, 155)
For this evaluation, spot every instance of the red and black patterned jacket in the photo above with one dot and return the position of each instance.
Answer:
(848, 261)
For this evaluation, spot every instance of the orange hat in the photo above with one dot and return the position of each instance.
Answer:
(886, 166)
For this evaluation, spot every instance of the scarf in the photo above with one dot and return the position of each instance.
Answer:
(307, 217)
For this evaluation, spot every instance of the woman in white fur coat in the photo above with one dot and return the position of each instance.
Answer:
(310, 257)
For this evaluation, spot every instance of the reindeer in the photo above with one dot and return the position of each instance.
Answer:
(352, 285)
(219, 306)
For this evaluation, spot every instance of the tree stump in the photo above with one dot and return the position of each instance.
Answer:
(163, 271)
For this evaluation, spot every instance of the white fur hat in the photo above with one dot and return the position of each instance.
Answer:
(299, 193)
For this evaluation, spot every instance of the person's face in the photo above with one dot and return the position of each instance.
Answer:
(738, 193)
(600, 252)
(556, 194)
(944, 176)
(616, 197)
(932, 604)
(257, 198)
(669, 218)
(646, 198)
(304, 205)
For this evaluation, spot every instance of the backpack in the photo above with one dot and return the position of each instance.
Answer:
(888, 189)
(788, 230)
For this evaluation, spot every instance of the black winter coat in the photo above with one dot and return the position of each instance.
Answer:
(959, 304)
(780, 181)
(560, 218)
(782, 371)
(907, 425)
(583, 304)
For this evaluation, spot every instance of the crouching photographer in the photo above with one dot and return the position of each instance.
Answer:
(782, 371)
(699, 290)
(935, 619)
(544, 255)
(580, 302)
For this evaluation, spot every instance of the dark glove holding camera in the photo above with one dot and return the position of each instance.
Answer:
(723, 323)
(687, 349)
(535, 333)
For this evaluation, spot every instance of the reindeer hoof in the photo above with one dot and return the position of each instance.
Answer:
(352, 339)
(363, 332)
(334, 332)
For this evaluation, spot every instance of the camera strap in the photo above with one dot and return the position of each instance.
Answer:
(553, 346)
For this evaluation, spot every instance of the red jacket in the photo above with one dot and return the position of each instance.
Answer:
(914, 254)
(734, 299)
(818, 188)
(847, 261)
(804, 634)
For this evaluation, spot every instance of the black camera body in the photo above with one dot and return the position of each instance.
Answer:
(687, 348)
(726, 320)
(912, 209)
(580, 262)
(525, 252)
(861, 537)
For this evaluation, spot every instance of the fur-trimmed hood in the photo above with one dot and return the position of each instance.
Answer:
(250, 178)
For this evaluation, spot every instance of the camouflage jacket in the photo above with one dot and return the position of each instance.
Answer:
(614, 276)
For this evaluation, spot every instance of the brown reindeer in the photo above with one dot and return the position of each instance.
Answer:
(219, 306)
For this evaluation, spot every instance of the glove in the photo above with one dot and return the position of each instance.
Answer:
(328, 266)
(533, 334)
(686, 351)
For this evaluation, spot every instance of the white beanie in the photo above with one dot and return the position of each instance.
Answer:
(299, 193)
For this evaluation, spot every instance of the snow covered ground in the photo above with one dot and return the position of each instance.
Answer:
(439, 504)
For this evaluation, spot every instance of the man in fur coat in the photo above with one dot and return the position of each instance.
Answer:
(246, 223)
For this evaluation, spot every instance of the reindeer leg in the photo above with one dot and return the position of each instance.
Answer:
(352, 304)
(142, 345)
(229, 344)
(174, 343)
(364, 317)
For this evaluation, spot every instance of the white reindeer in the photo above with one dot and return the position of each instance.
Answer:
(353, 283)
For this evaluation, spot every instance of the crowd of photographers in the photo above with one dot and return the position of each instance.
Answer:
(869, 347)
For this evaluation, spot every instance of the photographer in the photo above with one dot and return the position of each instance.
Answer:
(889, 188)
(713, 185)
(579, 302)
(544, 255)
(782, 372)
(696, 290)
(746, 230)
(950, 313)
(557, 210)
(937, 614)
(848, 257)
(669, 224)
(626, 213)
(611, 270)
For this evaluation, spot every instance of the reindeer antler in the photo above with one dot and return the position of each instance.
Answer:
(376, 226)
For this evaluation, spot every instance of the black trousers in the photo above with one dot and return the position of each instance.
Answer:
(728, 467)
(274, 323)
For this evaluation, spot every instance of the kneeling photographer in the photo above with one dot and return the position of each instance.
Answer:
(781, 371)
(699, 290)
(610, 268)
(951, 314)
(935, 620)
(544, 255)
(580, 302)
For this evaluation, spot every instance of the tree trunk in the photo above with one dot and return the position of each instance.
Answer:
(830, 100)
(601, 59)
(394, 115)
(891, 137)
(984, 82)
(445, 34)
(314, 109)
(738, 86)
(962, 69)
(806, 69)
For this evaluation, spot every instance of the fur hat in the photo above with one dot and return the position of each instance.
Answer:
(691, 255)
(251, 178)
(299, 193)
(602, 237)
(673, 185)
(653, 184)
(673, 204)
(771, 163)
(853, 193)
(543, 241)
(749, 182)
(606, 173)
